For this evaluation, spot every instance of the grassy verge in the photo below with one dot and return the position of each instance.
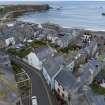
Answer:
(22, 53)
(37, 44)
(97, 89)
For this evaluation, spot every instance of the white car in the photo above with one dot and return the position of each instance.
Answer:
(34, 100)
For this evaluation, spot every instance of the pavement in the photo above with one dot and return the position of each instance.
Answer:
(39, 87)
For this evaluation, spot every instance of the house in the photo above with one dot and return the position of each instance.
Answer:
(101, 75)
(6, 35)
(84, 54)
(6, 40)
(66, 84)
(10, 41)
(8, 87)
(89, 71)
(94, 46)
(100, 38)
(52, 35)
(88, 98)
(86, 38)
(81, 57)
(20, 31)
(66, 36)
(37, 56)
(64, 41)
(51, 68)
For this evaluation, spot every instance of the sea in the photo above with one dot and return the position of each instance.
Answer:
(75, 14)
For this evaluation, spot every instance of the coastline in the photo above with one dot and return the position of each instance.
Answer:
(81, 28)
(15, 15)
(87, 29)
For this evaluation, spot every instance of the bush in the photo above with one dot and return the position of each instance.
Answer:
(22, 53)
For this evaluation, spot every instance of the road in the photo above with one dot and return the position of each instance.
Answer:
(38, 87)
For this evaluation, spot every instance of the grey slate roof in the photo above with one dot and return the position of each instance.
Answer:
(44, 52)
(93, 67)
(88, 50)
(53, 64)
(88, 98)
(66, 79)
(65, 38)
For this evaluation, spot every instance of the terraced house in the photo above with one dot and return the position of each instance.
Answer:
(52, 67)
(37, 56)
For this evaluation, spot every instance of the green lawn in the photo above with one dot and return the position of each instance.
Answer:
(37, 44)
(97, 89)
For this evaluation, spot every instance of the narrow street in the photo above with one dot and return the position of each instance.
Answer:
(38, 86)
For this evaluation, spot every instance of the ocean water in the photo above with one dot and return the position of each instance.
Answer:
(81, 14)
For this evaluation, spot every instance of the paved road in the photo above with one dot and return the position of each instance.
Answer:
(38, 87)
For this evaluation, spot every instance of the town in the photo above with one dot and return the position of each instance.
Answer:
(60, 66)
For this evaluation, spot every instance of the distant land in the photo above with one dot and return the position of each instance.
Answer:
(11, 2)
(9, 12)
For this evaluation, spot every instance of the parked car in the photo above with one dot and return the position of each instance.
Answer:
(34, 100)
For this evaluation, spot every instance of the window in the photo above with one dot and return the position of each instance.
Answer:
(58, 90)
(18, 103)
(63, 95)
